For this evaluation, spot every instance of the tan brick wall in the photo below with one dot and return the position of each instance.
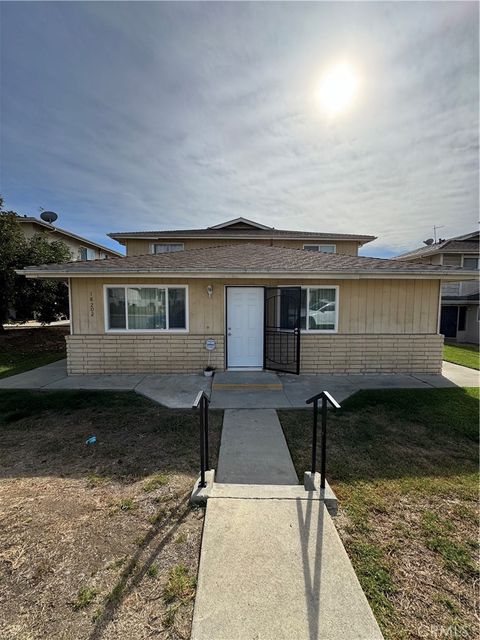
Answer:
(381, 353)
(173, 353)
(320, 353)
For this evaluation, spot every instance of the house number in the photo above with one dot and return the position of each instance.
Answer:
(92, 305)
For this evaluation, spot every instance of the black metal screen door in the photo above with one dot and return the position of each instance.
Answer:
(282, 329)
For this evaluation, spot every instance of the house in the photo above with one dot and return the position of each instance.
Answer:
(459, 319)
(80, 248)
(242, 295)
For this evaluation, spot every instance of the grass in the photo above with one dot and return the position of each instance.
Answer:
(85, 548)
(25, 349)
(404, 465)
(86, 596)
(466, 355)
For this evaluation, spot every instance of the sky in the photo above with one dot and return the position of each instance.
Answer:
(138, 116)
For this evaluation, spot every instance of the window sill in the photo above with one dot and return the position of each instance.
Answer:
(145, 331)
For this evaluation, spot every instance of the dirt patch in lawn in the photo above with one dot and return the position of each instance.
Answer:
(97, 541)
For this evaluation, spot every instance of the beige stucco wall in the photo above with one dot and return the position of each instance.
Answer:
(142, 247)
(384, 325)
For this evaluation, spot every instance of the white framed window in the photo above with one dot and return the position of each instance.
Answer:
(322, 248)
(319, 309)
(166, 247)
(149, 308)
(86, 253)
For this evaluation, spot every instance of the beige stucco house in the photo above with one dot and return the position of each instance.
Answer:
(241, 295)
(80, 248)
(460, 314)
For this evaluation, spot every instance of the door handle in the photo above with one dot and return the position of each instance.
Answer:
(229, 333)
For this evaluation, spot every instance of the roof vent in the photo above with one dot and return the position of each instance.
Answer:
(428, 242)
(48, 216)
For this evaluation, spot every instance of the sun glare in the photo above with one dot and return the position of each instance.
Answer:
(338, 88)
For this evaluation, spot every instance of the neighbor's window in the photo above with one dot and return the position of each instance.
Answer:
(319, 309)
(452, 260)
(470, 262)
(462, 317)
(146, 308)
(87, 254)
(167, 247)
(323, 248)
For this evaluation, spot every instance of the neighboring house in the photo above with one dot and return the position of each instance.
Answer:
(245, 296)
(80, 248)
(460, 319)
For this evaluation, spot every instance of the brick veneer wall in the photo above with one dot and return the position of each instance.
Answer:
(172, 353)
(377, 353)
(320, 353)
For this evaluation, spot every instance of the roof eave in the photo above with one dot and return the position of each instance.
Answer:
(225, 274)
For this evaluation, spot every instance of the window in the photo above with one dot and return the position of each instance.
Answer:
(87, 254)
(462, 316)
(319, 309)
(146, 308)
(452, 260)
(323, 248)
(470, 262)
(167, 247)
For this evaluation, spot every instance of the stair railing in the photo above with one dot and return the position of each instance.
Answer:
(326, 399)
(201, 402)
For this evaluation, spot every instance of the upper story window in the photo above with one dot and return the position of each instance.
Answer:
(323, 248)
(167, 247)
(145, 308)
(86, 253)
(470, 262)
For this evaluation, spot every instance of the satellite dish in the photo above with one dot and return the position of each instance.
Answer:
(48, 216)
(427, 242)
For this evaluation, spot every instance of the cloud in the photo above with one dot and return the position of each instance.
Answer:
(130, 116)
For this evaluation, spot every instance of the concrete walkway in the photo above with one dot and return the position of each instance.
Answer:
(233, 390)
(272, 566)
(277, 570)
(253, 449)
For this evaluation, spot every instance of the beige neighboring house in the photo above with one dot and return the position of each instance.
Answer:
(80, 248)
(245, 296)
(460, 314)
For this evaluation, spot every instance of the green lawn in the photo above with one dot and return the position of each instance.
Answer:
(13, 363)
(98, 540)
(465, 354)
(404, 465)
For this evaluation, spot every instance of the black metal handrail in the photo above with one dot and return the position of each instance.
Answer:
(326, 398)
(202, 401)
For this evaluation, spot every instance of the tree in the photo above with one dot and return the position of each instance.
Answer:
(45, 300)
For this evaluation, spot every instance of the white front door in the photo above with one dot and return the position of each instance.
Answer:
(245, 327)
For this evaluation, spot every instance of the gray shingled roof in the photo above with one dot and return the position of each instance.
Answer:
(241, 258)
(234, 233)
(452, 245)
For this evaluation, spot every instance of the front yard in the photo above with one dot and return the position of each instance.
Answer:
(22, 349)
(466, 355)
(97, 541)
(404, 465)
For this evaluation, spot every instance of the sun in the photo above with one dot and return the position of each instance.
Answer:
(338, 88)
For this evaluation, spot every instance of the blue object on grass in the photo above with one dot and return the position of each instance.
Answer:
(91, 440)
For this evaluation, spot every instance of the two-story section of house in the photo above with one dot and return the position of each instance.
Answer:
(459, 319)
(238, 231)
